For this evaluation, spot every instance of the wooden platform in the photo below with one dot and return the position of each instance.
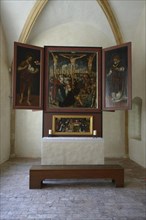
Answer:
(38, 173)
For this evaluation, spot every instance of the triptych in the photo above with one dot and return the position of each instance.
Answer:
(76, 82)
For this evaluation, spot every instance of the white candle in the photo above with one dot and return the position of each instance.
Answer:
(94, 132)
(50, 131)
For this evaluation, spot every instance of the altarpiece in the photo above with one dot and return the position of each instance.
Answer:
(72, 85)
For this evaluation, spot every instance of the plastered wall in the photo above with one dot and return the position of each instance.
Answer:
(137, 148)
(4, 101)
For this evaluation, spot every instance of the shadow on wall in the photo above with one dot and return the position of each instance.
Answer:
(134, 128)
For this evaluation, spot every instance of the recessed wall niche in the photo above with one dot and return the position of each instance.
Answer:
(134, 128)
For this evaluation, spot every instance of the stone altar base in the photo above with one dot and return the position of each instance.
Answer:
(72, 151)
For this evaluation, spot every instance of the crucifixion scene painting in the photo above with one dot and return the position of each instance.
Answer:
(72, 79)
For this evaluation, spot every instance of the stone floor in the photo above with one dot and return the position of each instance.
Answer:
(71, 200)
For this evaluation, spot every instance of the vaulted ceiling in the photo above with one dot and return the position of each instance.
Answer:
(35, 17)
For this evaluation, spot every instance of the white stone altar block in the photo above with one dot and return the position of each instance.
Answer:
(72, 151)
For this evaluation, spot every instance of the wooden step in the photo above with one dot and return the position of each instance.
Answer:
(38, 173)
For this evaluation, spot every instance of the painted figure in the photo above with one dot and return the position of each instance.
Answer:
(116, 79)
(55, 60)
(26, 70)
(72, 60)
(90, 62)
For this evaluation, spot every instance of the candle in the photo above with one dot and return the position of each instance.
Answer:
(94, 132)
(50, 132)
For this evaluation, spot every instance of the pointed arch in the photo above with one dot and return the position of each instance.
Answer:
(39, 6)
(104, 4)
(31, 20)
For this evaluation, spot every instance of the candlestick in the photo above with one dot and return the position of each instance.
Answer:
(50, 132)
(94, 132)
